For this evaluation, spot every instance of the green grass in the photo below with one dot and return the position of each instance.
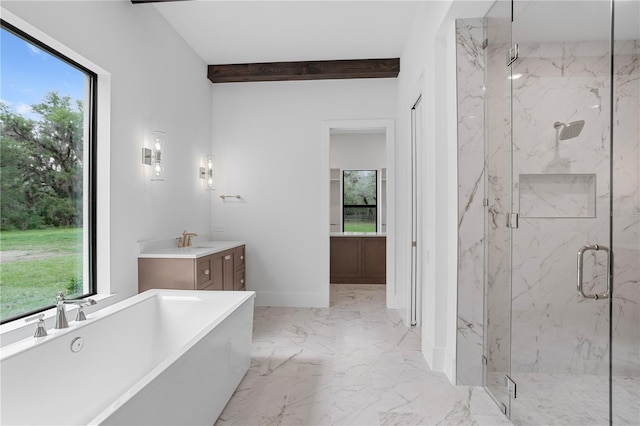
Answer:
(52, 258)
(360, 227)
(57, 240)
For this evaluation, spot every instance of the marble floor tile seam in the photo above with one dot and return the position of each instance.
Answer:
(363, 367)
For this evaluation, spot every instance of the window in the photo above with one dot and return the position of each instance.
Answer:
(47, 176)
(360, 192)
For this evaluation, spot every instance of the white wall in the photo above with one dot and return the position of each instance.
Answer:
(267, 140)
(428, 68)
(417, 78)
(269, 149)
(358, 151)
(149, 80)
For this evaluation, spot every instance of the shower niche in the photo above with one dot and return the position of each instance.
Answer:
(557, 195)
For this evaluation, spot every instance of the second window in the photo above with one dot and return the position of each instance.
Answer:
(359, 203)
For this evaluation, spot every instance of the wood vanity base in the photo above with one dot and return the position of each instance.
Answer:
(358, 260)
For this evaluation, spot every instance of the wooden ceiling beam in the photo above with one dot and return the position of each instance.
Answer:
(304, 70)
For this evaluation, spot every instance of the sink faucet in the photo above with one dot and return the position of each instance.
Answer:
(61, 315)
(185, 240)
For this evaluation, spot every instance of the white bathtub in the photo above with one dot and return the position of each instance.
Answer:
(163, 357)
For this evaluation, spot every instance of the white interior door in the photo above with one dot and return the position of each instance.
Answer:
(417, 165)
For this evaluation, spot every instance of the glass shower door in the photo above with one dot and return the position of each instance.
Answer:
(625, 215)
(497, 306)
(561, 191)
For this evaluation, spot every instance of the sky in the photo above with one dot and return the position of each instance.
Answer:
(28, 73)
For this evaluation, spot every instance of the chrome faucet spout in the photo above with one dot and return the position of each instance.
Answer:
(61, 315)
(82, 302)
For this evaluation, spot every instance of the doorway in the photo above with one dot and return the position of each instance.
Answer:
(360, 150)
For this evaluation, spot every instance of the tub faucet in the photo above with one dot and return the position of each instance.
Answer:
(40, 330)
(61, 315)
(185, 240)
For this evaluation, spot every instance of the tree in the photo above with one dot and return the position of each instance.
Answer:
(360, 187)
(41, 164)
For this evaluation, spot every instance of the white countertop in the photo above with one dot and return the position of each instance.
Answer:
(198, 249)
(358, 234)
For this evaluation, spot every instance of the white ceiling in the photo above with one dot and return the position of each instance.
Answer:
(226, 32)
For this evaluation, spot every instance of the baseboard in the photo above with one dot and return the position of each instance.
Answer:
(449, 362)
(433, 355)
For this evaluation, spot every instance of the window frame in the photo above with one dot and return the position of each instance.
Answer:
(359, 206)
(90, 251)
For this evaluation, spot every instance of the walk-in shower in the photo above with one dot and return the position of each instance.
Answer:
(562, 220)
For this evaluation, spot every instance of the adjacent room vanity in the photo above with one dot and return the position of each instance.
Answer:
(358, 258)
(209, 265)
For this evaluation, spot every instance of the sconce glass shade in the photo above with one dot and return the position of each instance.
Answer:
(157, 157)
(209, 172)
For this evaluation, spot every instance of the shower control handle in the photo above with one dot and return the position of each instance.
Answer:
(594, 247)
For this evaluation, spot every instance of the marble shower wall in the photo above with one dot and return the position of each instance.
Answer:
(471, 193)
(538, 324)
(553, 329)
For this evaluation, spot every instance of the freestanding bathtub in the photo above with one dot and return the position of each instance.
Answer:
(162, 357)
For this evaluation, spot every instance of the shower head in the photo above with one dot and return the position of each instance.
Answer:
(569, 130)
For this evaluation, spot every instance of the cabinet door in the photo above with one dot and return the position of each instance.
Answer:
(216, 263)
(204, 272)
(227, 269)
(345, 257)
(374, 254)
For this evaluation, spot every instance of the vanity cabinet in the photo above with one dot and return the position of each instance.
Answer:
(358, 260)
(224, 270)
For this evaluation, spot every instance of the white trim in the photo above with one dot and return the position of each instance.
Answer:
(103, 173)
(435, 357)
(49, 41)
(368, 124)
(449, 362)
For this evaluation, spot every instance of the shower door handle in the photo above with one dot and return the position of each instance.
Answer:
(594, 247)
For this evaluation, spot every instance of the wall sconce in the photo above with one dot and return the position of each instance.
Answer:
(207, 172)
(153, 157)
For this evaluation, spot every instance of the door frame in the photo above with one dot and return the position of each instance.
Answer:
(365, 124)
(417, 211)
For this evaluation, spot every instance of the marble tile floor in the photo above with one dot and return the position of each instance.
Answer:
(564, 399)
(354, 363)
